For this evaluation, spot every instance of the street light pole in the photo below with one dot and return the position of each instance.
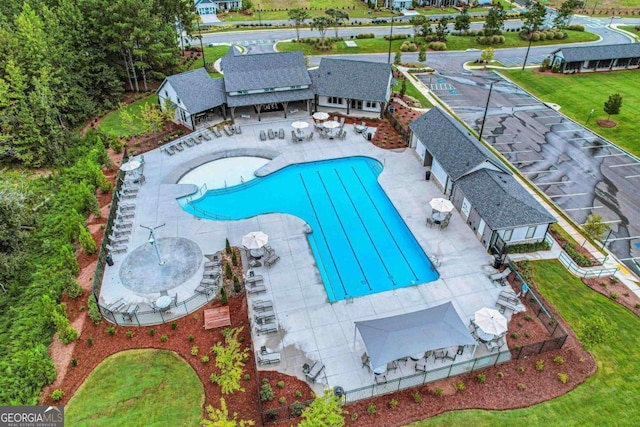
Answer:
(486, 108)
(590, 114)
(259, 15)
(527, 54)
(390, 40)
(204, 61)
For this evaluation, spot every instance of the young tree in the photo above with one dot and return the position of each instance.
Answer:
(534, 16)
(487, 54)
(247, 5)
(462, 20)
(397, 60)
(337, 16)
(494, 21)
(613, 105)
(417, 21)
(321, 23)
(297, 16)
(324, 411)
(566, 11)
(220, 417)
(230, 361)
(441, 29)
(422, 56)
(151, 118)
(594, 226)
(403, 88)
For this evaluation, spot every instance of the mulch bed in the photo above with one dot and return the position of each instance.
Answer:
(605, 123)
(612, 288)
(581, 250)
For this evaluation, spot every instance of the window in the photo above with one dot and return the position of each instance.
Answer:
(507, 235)
(269, 89)
(334, 100)
(178, 99)
(370, 104)
(166, 94)
(530, 232)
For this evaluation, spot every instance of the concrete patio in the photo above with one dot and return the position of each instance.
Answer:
(309, 328)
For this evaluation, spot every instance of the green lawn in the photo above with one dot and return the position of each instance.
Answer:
(112, 125)
(413, 91)
(609, 398)
(577, 94)
(277, 9)
(138, 388)
(454, 42)
(211, 55)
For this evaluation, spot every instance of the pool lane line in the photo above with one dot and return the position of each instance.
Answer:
(355, 209)
(385, 224)
(344, 231)
(315, 214)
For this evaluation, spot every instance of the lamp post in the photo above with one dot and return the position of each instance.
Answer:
(486, 108)
(259, 15)
(204, 61)
(606, 239)
(390, 40)
(527, 54)
(590, 114)
(152, 241)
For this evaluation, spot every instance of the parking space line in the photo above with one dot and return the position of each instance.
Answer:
(566, 195)
(537, 172)
(528, 161)
(567, 130)
(516, 152)
(609, 155)
(584, 208)
(587, 147)
(632, 176)
(553, 183)
(506, 143)
(625, 164)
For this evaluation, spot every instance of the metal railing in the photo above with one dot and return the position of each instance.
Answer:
(578, 271)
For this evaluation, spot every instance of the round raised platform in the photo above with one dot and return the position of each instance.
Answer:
(141, 272)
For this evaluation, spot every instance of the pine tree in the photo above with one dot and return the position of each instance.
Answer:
(613, 105)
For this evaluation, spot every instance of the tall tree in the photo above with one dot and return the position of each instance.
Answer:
(298, 16)
(417, 21)
(462, 20)
(337, 17)
(324, 411)
(494, 21)
(566, 11)
(441, 29)
(321, 23)
(534, 16)
(613, 105)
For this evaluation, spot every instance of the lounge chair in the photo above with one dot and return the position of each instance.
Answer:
(503, 306)
(205, 290)
(310, 136)
(392, 366)
(263, 136)
(254, 279)
(210, 265)
(126, 214)
(211, 274)
(381, 379)
(500, 277)
(271, 260)
(266, 328)
(267, 358)
(262, 305)
(271, 134)
(115, 306)
(422, 367)
(294, 138)
(209, 282)
(264, 316)
(237, 129)
(494, 344)
(178, 146)
(129, 311)
(281, 133)
(189, 142)
(116, 249)
(256, 289)
(204, 135)
(167, 151)
(227, 130)
(509, 297)
(126, 206)
(123, 224)
(314, 371)
(216, 132)
(118, 240)
(119, 233)
(443, 354)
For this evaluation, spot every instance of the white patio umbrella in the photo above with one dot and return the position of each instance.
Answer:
(331, 124)
(255, 240)
(299, 125)
(491, 321)
(320, 115)
(131, 165)
(441, 205)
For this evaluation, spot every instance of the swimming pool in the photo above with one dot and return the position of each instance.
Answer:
(360, 243)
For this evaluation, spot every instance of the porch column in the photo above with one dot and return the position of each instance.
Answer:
(233, 110)
(348, 105)
(309, 106)
(224, 112)
(259, 109)
(285, 104)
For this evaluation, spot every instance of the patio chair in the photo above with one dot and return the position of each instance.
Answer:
(281, 133)
(116, 249)
(444, 224)
(178, 146)
(189, 143)
(267, 358)
(335, 118)
(442, 355)
(263, 136)
(256, 289)
(272, 260)
(392, 366)
(204, 290)
(174, 300)
(381, 379)
(314, 372)
(310, 136)
(271, 134)
(430, 222)
(341, 122)
(167, 151)
(403, 359)
(266, 328)
(262, 305)
(264, 316)
(500, 277)
(509, 297)
(366, 360)
(254, 279)
(494, 344)
(421, 367)
(238, 130)
(216, 132)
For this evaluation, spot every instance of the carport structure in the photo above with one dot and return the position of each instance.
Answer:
(391, 338)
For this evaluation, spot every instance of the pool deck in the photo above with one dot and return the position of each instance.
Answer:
(309, 328)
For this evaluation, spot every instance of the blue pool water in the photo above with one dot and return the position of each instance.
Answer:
(360, 243)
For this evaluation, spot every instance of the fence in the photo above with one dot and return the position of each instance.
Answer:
(576, 270)
(404, 133)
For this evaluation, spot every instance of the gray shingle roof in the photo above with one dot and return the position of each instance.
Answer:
(501, 201)
(197, 90)
(599, 52)
(364, 80)
(451, 144)
(269, 97)
(264, 70)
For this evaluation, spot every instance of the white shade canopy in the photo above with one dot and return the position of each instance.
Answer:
(490, 321)
(299, 125)
(332, 124)
(320, 115)
(255, 240)
(441, 205)
(131, 165)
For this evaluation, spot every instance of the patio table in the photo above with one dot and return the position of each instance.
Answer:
(380, 370)
(163, 302)
(257, 253)
(438, 217)
(483, 336)
(417, 356)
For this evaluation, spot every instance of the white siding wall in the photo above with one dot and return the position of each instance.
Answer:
(323, 101)
(438, 173)
(520, 233)
(420, 149)
(182, 115)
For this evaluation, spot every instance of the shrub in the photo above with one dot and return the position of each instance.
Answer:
(74, 362)
(535, 37)
(223, 296)
(282, 400)
(227, 247)
(90, 341)
(366, 36)
(298, 393)
(614, 295)
(521, 387)
(73, 288)
(234, 259)
(371, 409)
(558, 360)
(397, 37)
(296, 408)
(205, 358)
(580, 259)
(408, 46)
(164, 338)
(521, 369)
(266, 393)
(111, 330)
(228, 274)
(459, 386)
(527, 317)
(539, 365)
(500, 375)
(129, 334)
(520, 324)
(354, 416)
(57, 395)
(438, 391)
(152, 332)
(417, 397)
(481, 378)
(236, 284)
(515, 335)
(563, 377)
(194, 350)
(191, 338)
(575, 27)
(94, 311)
(174, 325)
(246, 377)
(527, 334)
(438, 46)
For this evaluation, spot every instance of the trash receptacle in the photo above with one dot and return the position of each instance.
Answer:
(369, 136)
(109, 259)
(427, 175)
(497, 261)
(392, 109)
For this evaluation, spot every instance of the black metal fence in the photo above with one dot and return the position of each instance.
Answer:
(405, 134)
